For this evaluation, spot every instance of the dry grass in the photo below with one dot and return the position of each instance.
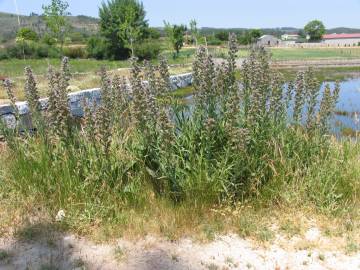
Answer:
(285, 227)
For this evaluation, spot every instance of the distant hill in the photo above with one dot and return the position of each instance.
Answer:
(89, 25)
(340, 30)
(9, 24)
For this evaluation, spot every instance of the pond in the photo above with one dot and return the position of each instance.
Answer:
(347, 108)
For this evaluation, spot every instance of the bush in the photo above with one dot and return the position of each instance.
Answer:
(3, 54)
(148, 49)
(32, 50)
(27, 34)
(96, 47)
(153, 33)
(213, 41)
(46, 51)
(49, 40)
(75, 52)
(77, 37)
(222, 35)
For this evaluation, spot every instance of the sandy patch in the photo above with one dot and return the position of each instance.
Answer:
(226, 252)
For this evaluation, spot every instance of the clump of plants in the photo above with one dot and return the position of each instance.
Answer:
(250, 140)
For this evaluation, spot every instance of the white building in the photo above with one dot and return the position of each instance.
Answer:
(290, 37)
(342, 40)
(268, 40)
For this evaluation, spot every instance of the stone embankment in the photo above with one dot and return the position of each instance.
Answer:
(76, 101)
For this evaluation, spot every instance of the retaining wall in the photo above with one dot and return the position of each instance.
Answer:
(75, 101)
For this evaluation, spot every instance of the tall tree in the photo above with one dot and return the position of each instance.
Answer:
(55, 17)
(175, 34)
(315, 29)
(194, 31)
(122, 23)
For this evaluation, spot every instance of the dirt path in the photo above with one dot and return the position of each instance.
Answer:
(225, 252)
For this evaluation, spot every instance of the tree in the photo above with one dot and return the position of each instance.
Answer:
(122, 23)
(55, 18)
(153, 33)
(222, 35)
(194, 31)
(26, 34)
(175, 34)
(250, 36)
(315, 29)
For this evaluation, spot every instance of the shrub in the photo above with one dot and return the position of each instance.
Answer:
(31, 50)
(75, 52)
(213, 41)
(153, 33)
(148, 49)
(49, 40)
(3, 54)
(27, 34)
(222, 35)
(77, 37)
(96, 47)
(46, 51)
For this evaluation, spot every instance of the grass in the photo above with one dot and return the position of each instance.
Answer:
(85, 73)
(15, 67)
(289, 54)
(349, 132)
(141, 166)
(3, 255)
(183, 92)
(314, 53)
(326, 73)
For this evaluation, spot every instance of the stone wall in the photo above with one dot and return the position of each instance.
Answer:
(75, 101)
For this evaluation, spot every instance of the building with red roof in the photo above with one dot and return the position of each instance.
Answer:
(342, 40)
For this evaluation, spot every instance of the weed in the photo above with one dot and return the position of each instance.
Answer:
(175, 257)
(79, 263)
(4, 255)
(265, 234)
(351, 247)
(120, 253)
(290, 228)
(321, 257)
(246, 226)
(141, 149)
(48, 267)
(212, 266)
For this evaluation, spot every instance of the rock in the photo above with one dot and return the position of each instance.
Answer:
(75, 101)
(60, 215)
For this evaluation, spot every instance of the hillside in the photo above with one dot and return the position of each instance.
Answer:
(79, 23)
(89, 25)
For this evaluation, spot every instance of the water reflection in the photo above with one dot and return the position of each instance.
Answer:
(347, 108)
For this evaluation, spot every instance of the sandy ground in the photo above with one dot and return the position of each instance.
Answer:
(225, 252)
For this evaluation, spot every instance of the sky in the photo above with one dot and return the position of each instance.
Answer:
(223, 13)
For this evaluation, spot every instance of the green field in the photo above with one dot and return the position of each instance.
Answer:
(15, 67)
(314, 53)
(84, 70)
